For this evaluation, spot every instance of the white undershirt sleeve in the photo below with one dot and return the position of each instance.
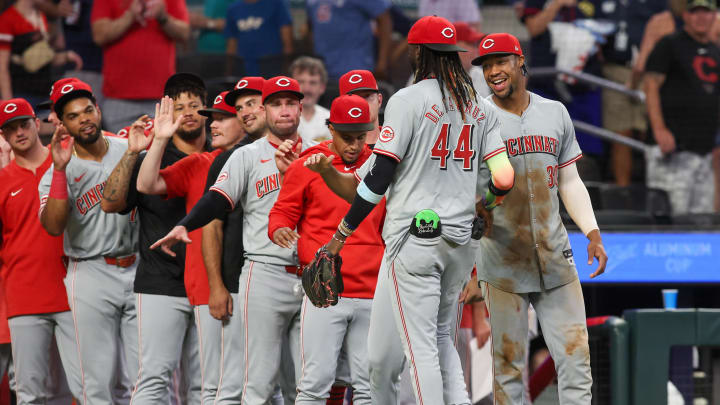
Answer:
(576, 198)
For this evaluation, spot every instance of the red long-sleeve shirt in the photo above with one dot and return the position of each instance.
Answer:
(306, 203)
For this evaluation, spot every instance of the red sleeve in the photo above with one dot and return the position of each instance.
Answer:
(290, 203)
(101, 9)
(178, 176)
(6, 31)
(178, 9)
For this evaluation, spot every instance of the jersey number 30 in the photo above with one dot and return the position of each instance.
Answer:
(463, 150)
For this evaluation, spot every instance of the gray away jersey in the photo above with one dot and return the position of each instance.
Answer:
(528, 249)
(439, 157)
(251, 177)
(91, 232)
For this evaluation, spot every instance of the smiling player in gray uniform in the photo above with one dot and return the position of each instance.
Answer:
(436, 134)
(101, 246)
(527, 259)
(270, 294)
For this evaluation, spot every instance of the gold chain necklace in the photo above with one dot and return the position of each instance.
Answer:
(107, 146)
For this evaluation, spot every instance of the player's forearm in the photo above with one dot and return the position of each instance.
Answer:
(54, 216)
(149, 179)
(211, 206)
(576, 198)
(212, 247)
(344, 185)
(106, 30)
(176, 29)
(501, 181)
(117, 185)
(286, 33)
(652, 100)
(538, 23)
(384, 37)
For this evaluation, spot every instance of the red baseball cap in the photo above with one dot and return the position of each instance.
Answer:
(436, 33)
(219, 106)
(357, 80)
(66, 89)
(15, 109)
(350, 113)
(246, 84)
(466, 33)
(125, 132)
(498, 44)
(281, 84)
(54, 92)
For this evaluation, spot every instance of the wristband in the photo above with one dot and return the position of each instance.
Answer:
(344, 229)
(58, 186)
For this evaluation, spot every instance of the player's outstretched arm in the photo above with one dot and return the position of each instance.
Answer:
(220, 303)
(117, 185)
(149, 179)
(576, 198)
(177, 234)
(342, 184)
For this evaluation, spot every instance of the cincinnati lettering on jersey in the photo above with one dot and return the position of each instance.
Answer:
(532, 144)
(268, 185)
(90, 199)
(471, 111)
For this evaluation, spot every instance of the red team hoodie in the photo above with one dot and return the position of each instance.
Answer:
(307, 203)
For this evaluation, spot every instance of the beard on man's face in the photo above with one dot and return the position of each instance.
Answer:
(189, 135)
(89, 139)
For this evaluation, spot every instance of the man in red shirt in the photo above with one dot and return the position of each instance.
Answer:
(138, 41)
(186, 178)
(305, 203)
(37, 303)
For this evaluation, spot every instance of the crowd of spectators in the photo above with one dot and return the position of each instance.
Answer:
(128, 49)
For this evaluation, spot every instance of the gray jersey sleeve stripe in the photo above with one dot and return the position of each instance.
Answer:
(494, 153)
(224, 194)
(569, 162)
(386, 153)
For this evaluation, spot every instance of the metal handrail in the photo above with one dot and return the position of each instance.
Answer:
(589, 79)
(610, 136)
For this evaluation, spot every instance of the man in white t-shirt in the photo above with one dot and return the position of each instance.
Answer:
(312, 76)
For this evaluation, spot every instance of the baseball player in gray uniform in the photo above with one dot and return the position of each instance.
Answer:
(101, 247)
(435, 135)
(527, 258)
(270, 292)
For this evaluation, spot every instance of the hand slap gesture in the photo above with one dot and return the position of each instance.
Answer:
(165, 123)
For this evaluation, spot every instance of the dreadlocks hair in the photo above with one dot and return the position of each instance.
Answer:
(448, 71)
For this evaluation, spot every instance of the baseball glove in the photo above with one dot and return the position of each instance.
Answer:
(321, 279)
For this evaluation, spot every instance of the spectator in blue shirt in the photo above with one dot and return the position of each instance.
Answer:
(258, 28)
(343, 36)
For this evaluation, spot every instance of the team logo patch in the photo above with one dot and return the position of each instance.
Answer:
(488, 43)
(568, 254)
(448, 32)
(355, 79)
(10, 108)
(386, 134)
(67, 89)
(282, 82)
(355, 112)
(222, 177)
(218, 100)
(241, 84)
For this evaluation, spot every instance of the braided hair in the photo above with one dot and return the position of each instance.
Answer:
(447, 69)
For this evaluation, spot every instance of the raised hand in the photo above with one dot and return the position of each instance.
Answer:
(61, 146)
(286, 153)
(319, 163)
(165, 124)
(137, 140)
(177, 234)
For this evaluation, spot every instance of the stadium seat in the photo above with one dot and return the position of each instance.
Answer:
(702, 220)
(624, 217)
(212, 66)
(637, 197)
